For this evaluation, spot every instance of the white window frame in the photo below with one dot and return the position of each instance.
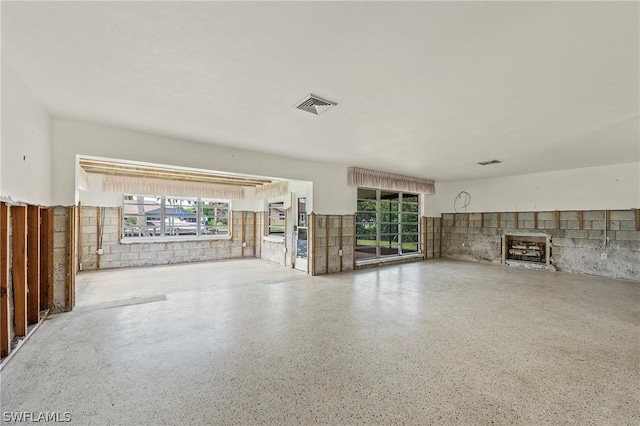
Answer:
(378, 222)
(163, 237)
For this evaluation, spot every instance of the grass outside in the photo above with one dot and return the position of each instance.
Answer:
(372, 243)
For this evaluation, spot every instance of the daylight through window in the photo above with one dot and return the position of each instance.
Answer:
(387, 224)
(160, 216)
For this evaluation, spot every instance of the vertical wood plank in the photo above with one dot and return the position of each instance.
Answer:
(242, 233)
(535, 220)
(98, 239)
(5, 330)
(340, 247)
(607, 215)
(498, 217)
(481, 220)
(326, 239)
(33, 264)
(433, 237)
(46, 259)
(19, 268)
(355, 240)
(515, 216)
(79, 239)
(557, 219)
(70, 256)
(311, 242)
(637, 219)
(581, 219)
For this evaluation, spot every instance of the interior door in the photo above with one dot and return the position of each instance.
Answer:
(301, 235)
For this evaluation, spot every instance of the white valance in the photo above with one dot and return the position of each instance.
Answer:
(146, 186)
(271, 190)
(83, 180)
(391, 181)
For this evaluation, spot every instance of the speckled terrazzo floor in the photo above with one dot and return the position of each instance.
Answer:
(248, 342)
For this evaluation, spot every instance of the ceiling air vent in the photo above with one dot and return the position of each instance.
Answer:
(315, 104)
(486, 163)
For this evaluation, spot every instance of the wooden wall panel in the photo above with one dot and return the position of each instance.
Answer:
(33, 264)
(19, 268)
(5, 330)
(46, 259)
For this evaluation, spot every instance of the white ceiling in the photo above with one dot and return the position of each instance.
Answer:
(424, 89)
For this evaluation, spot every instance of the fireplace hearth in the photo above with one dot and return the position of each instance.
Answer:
(527, 250)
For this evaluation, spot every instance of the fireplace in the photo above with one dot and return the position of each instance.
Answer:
(527, 250)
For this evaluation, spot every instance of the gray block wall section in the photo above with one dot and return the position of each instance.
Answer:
(60, 234)
(119, 255)
(574, 250)
(332, 233)
(431, 237)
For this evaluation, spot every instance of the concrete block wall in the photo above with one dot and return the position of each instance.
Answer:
(119, 255)
(578, 249)
(60, 269)
(330, 234)
(431, 237)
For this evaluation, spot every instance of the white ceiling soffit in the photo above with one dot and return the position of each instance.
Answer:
(426, 89)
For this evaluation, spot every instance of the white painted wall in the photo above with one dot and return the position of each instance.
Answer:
(595, 188)
(331, 194)
(25, 173)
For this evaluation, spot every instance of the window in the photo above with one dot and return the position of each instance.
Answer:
(159, 216)
(387, 224)
(276, 219)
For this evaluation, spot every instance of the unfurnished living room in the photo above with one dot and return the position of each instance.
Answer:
(311, 213)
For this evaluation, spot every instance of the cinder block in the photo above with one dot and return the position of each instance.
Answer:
(593, 215)
(569, 215)
(546, 216)
(121, 248)
(627, 235)
(622, 215)
(572, 233)
(627, 225)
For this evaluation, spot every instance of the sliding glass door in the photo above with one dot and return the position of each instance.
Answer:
(387, 224)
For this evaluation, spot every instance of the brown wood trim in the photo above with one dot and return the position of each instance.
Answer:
(242, 234)
(581, 219)
(311, 242)
(326, 240)
(515, 216)
(440, 242)
(79, 239)
(46, 259)
(557, 219)
(33, 264)
(69, 257)
(119, 225)
(98, 239)
(19, 268)
(637, 219)
(340, 247)
(481, 220)
(535, 220)
(498, 217)
(5, 328)
(355, 241)
(255, 237)
(607, 215)
(433, 237)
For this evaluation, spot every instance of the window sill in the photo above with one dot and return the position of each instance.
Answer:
(146, 240)
(273, 239)
(380, 260)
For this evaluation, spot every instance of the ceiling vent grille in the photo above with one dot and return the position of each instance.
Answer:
(315, 104)
(486, 163)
